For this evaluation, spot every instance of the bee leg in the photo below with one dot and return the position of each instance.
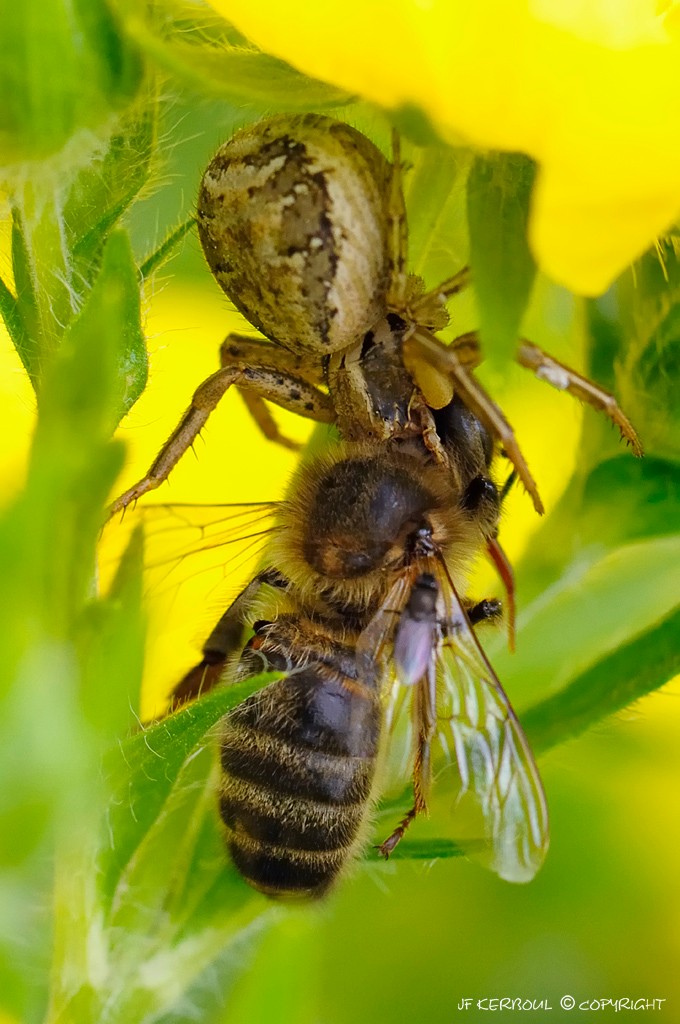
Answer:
(226, 639)
(433, 444)
(395, 838)
(420, 416)
(565, 379)
(423, 345)
(484, 611)
(286, 390)
(425, 721)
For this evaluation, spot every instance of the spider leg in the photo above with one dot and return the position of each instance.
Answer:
(439, 296)
(286, 390)
(397, 232)
(422, 346)
(565, 379)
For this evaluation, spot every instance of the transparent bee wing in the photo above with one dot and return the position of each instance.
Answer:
(377, 637)
(374, 655)
(176, 532)
(397, 764)
(483, 768)
(497, 783)
(183, 541)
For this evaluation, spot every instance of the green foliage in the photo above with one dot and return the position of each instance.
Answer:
(434, 192)
(158, 901)
(55, 722)
(200, 50)
(498, 195)
(60, 226)
(144, 920)
(65, 69)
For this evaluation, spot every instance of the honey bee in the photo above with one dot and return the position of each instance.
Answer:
(303, 224)
(359, 605)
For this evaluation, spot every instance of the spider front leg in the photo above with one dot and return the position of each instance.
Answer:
(436, 387)
(423, 348)
(271, 383)
(404, 290)
(565, 379)
(397, 232)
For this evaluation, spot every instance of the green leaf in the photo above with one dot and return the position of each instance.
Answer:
(420, 849)
(270, 989)
(112, 315)
(11, 315)
(599, 603)
(105, 187)
(613, 683)
(50, 711)
(433, 190)
(111, 647)
(657, 374)
(210, 57)
(60, 227)
(148, 959)
(45, 299)
(645, 493)
(93, 378)
(634, 350)
(61, 78)
(414, 124)
(163, 905)
(503, 269)
(231, 964)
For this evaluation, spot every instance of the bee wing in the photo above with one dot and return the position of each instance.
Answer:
(374, 657)
(183, 541)
(379, 633)
(478, 732)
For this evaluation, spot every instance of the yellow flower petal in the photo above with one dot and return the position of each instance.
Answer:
(588, 88)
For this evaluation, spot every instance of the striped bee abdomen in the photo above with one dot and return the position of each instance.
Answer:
(298, 761)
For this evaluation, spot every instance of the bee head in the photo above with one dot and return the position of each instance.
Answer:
(359, 513)
(367, 514)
